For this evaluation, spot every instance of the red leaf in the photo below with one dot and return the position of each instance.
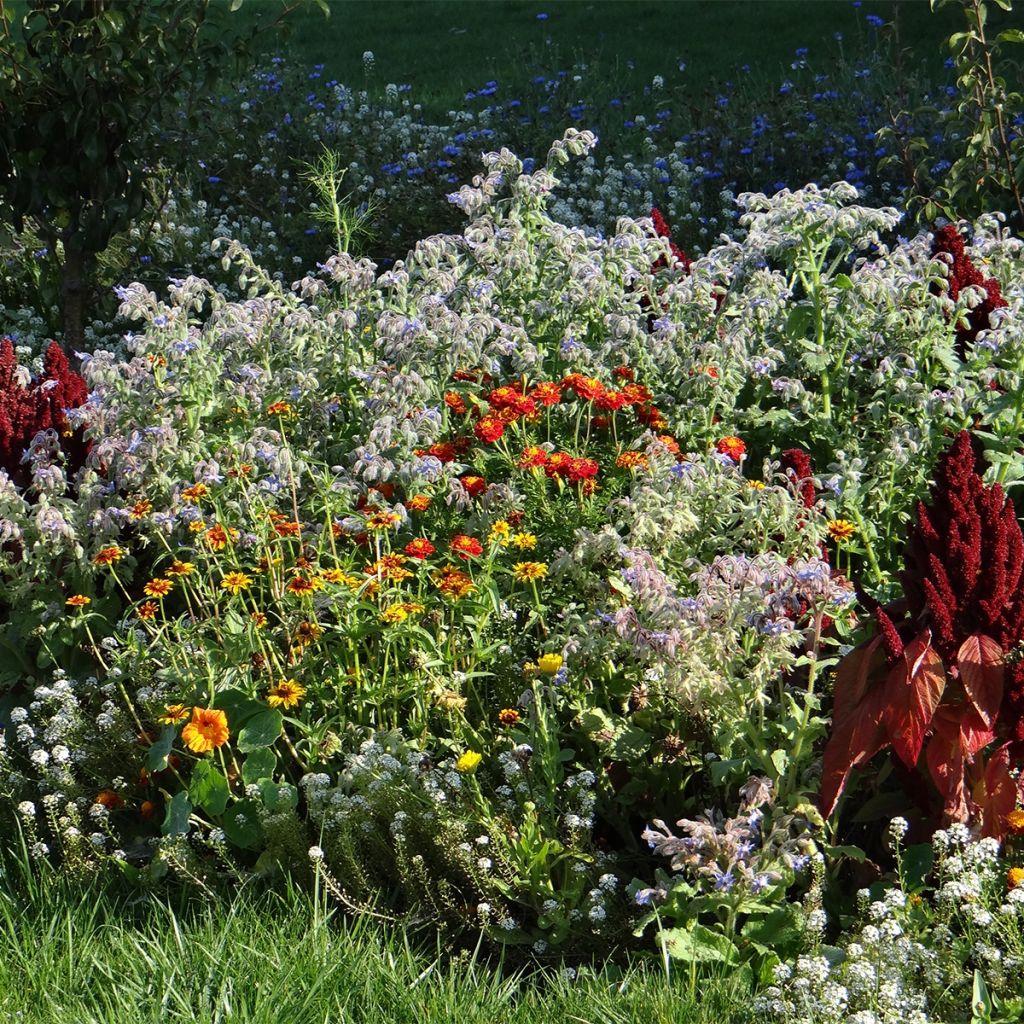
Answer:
(945, 757)
(913, 689)
(995, 793)
(981, 671)
(857, 732)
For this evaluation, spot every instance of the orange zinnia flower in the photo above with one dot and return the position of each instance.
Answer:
(418, 503)
(78, 601)
(207, 731)
(181, 569)
(158, 587)
(195, 492)
(141, 509)
(147, 610)
(108, 556)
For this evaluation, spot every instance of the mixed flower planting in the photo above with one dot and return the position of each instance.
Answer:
(552, 585)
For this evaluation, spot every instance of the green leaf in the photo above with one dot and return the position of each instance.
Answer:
(278, 796)
(780, 929)
(261, 730)
(156, 756)
(179, 810)
(699, 945)
(209, 789)
(259, 765)
(238, 706)
(917, 862)
(241, 824)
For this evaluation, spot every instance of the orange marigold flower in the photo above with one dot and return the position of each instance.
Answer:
(669, 442)
(489, 429)
(632, 460)
(731, 446)
(418, 503)
(465, 546)
(1015, 822)
(587, 388)
(507, 415)
(455, 402)
(1015, 877)
(419, 548)
(108, 555)
(532, 457)
(636, 394)
(287, 529)
(236, 582)
(243, 470)
(141, 509)
(147, 610)
(279, 409)
(175, 714)
(195, 493)
(624, 372)
(547, 393)
(207, 731)
(180, 569)
(78, 601)
(158, 587)
(108, 798)
(504, 397)
(286, 694)
(509, 716)
(473, 484)
(651, 416)
(444, 451)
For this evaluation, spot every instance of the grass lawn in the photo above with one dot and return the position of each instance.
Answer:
(444, 48)
(82, 953)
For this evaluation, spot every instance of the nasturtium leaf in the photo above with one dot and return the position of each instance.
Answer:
(238, 706)
(156, 756)
(698, 944)
(179, 810)
(260, 731)
(208, 788)
(241, 824)
(258, 765)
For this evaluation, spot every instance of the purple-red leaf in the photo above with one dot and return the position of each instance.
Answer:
(995, 793)
(945, 757)
(913, 689)
(981, 671)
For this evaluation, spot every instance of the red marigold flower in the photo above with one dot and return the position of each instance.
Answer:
(455, 402)
(558, 464)
(506, 396)
(587, 388)
(445, 451)
(489, 429)
(473, 485)
(732, 446)
(651, 416)
(636, 394)
(610, 401)
(547, 393)
(525, 406)
(419, 548)
(582, 469)
(418, 503)
(624, 372)
(465, 546)
(532, 456)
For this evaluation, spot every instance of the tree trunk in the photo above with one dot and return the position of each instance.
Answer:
(75, 288)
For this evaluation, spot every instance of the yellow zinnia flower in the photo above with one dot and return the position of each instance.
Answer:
(549, 664)
(235, 582)
(526, 572)
(841, 530)
(286, 694)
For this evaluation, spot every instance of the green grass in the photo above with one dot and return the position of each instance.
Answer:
(86, 953)
(444, 48)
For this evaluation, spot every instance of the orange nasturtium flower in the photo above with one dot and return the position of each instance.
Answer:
(207, 731)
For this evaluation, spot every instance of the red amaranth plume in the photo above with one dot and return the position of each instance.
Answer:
(964, 273)
(796, 464)
(661, 229)
(28, 408)
(964, 569)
